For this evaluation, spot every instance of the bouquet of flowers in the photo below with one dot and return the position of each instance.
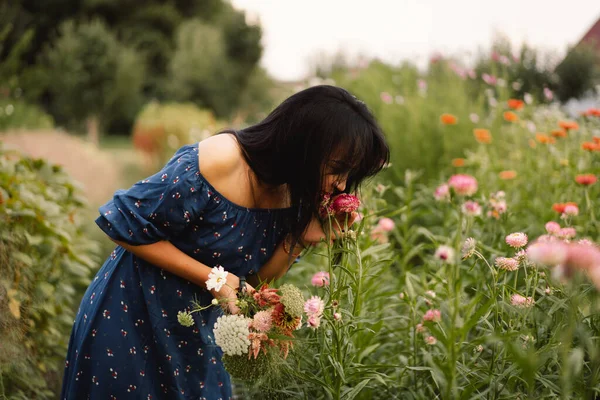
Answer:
(257, 339)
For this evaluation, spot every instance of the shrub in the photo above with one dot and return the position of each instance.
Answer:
(162, 128)
(45, 264)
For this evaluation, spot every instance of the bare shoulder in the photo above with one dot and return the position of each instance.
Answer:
(219, 157)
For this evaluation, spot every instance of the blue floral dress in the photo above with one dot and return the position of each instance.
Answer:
(126, 342)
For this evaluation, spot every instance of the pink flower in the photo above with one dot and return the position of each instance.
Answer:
(420, 328)
(571, 210)
(463, 185)
(445, 254)
(262, 321)
(314, 321)
(582, 256)
(516, 240)
(507, 264)
(471, 208)
(567, 233)
(432, 315)
(386, 97)
(379, 236)
(320, 279)
(549, 253)
(521, 302)
(430, 340)
(337, 316)
(552, 227)
(442, 192)
(386, 224)
(314, 306)
(344, 203)
(489, 79)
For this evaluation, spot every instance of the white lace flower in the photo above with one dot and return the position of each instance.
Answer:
(231, 334)
(216, 278)
(185, 318)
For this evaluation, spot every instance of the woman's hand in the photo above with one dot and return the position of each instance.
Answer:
(227, 296)
(314, 232)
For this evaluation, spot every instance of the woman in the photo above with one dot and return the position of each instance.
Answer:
(245, 200)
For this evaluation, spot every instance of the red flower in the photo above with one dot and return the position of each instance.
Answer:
(344, 203)
(586, 179)
(560, 207)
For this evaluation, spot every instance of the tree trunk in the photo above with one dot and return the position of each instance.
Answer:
(92, 130)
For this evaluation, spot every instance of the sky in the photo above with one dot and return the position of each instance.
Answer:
(295, 32)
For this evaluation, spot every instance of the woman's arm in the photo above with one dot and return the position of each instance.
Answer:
(280, 262)
(277, 265)
(168, 257)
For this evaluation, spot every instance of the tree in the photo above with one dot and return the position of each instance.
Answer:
(578, 72)
(92, 75)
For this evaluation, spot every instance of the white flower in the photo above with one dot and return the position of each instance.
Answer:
(216, 278)
(231, 334)
(445, 254)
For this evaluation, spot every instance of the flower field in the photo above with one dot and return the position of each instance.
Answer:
(480, 284)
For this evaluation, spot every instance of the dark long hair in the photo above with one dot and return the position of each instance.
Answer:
(293, 143)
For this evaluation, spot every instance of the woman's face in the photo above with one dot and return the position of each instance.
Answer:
(335, 176)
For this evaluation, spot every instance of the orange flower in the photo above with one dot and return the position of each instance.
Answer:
(590, 146)
(559, 133)
(507, 175)
(545, 139)
(596, 139)
(532, 143)
(448, 119)
(560, 207)
(586, 179)
(568, 125)
(458, 162)
(482, 135)
(515, 104)
(511, 116)
(592, 112)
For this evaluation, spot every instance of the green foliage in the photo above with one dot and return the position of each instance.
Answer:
(91, 74)
(160, 129)
(18, 114)
(45, 264)
(111, 66)
(578, 73)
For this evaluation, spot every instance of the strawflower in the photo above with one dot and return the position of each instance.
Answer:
(448, 119)
(430, 340)
(432, 315)
(468, 248)
(516, 240)
(510, 116)
(521, 302)
(463, 185)
(568, 125)
(386, 224)
(458, 162)
(320, 279)
(442, 192)
(507, 175)
(586, 179)
(262, 321)
(314, 306)
(482, 136)
(552, 227)
(344, 203)
(445, 254)
(507, 264)
(471, 208)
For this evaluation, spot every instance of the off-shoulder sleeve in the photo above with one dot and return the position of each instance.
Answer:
(156, 208)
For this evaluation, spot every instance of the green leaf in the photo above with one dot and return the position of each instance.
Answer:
(353, 392)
